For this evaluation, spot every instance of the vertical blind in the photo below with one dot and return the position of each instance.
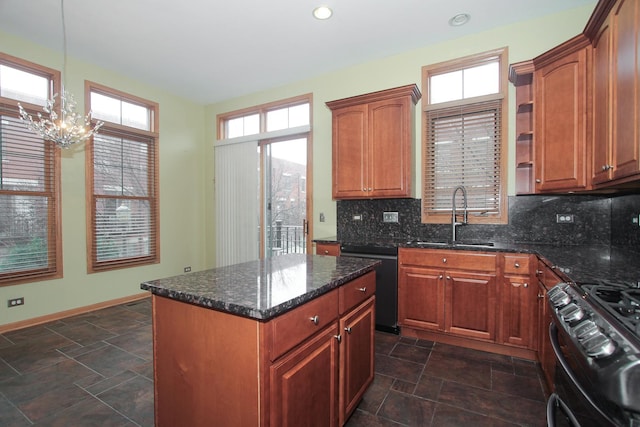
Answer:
(28, 203)
(236, 202)
(463, 148)
(124, 199)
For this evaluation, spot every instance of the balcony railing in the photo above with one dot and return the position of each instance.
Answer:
(286, 239)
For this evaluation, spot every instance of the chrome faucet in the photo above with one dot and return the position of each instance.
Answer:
(454, 219)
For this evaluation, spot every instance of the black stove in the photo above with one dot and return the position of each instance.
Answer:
(598, 332)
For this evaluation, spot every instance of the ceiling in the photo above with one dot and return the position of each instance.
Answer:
(209, 51)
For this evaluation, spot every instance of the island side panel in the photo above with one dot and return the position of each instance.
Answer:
(206, 366)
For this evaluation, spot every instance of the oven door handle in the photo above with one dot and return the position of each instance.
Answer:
(555, 344)
(554, 400)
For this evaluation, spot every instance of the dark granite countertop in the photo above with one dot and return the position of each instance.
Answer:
(262, 289)
(579, 263)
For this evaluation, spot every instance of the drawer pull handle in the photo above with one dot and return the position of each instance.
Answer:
(363, 289)
(517, 265)
(338, 337)
(315, 319)
(348, 329)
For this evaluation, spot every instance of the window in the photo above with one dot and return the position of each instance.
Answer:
(122, 169)
(30, 231)
(464, 140)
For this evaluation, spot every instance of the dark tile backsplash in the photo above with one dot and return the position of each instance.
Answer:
(532, 219)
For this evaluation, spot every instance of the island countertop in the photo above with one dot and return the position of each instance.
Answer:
(262, 289)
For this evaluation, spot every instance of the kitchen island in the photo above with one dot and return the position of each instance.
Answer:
(276, 342)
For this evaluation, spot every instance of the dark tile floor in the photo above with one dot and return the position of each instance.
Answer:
(96, 369)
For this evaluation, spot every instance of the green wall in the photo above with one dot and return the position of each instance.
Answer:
(187, 134)
(182, 208)
(525, 40)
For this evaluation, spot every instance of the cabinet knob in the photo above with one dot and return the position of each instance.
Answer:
(326, 252)
(363, 289)
(538, 180)
(338, 337)
(315, 319)
(364, 189)
(440, 277)
(348, 329)
(448, 277)
(516, 265)
(540, 296)
(525, 285)
(539, 272)
(370, 188)
(444, 260)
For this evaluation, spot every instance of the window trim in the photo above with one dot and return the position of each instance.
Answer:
(444, 217)
(9, 106)
(93, 265)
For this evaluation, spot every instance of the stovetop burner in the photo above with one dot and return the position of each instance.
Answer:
(621, 300)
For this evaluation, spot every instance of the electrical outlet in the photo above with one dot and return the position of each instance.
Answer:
(635, 220)
(187, 269)
(14, 302)
(564, 218)
(357, 217)
(321, 217)
(390, 217)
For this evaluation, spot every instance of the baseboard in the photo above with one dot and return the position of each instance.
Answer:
(68, 313)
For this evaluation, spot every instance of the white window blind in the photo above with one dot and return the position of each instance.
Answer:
(463, 148)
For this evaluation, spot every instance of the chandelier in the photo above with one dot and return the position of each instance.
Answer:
(70, 127)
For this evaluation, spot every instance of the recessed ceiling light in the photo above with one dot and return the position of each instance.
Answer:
(459, 19)
(322, 12)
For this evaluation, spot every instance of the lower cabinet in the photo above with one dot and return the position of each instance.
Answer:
(547, 279)
(482, 300)
(518, 301)
(447, 291)
(309, 366)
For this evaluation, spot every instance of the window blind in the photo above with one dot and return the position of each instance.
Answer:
(29, 232)
(124, 199)
(463, 148)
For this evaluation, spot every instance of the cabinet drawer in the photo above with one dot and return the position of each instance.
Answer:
(332, 249)
(356, 291)
(293, 327)
(516, 264)
(449, 259)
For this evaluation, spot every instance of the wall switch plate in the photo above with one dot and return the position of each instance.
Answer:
(390, 217)
(564, 218)
(321, 217)
(14, 302)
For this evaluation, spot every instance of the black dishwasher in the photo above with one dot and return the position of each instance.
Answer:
(386, 282)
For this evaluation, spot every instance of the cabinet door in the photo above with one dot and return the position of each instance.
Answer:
(561, 122)
(389, 148)
(518, 311)
(357, 356)
(626, 87)
(304, 383)
(421, 298)
(545, 351)
(470, 304)
(602, 58)
(350, 152)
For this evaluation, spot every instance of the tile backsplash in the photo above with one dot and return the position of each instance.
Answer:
(532, 219)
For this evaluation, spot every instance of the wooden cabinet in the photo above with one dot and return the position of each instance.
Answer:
(614, 32)
(312, 363)
(332, 249)
(373, 144)
(448, 291)
(518, 305)
(562, 159)
(521, 75)
(547, 279)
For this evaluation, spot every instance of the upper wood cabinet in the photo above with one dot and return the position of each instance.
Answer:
(614, 32)
(562, 158)
(373, 143)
